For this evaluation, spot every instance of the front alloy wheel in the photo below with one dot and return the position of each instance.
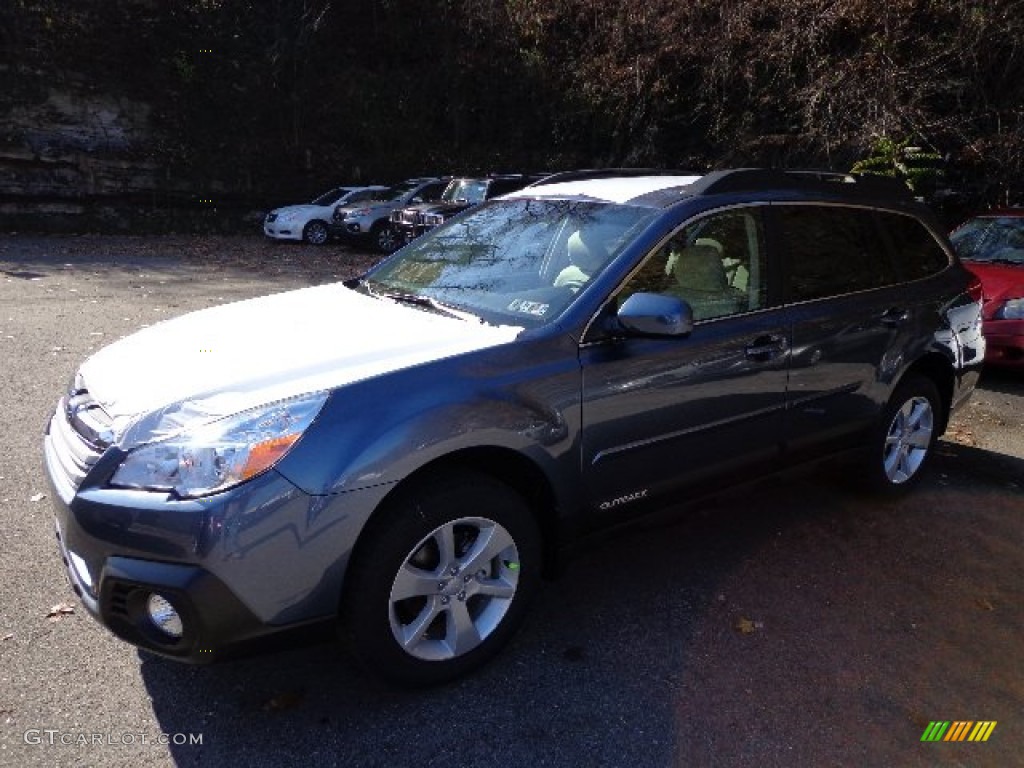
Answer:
(315, 233)
(441, 578)
(385, 238)
(454, 589)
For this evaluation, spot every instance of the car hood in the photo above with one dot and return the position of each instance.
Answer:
(999, 281)
(448, 208)
(300, 210)
(224, 360)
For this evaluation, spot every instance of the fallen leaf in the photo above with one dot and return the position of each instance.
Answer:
(747, 626)
(60, 610)
(8, 636)
(984, 603)
(38, 497)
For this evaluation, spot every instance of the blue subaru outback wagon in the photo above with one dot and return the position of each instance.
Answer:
(406, 453)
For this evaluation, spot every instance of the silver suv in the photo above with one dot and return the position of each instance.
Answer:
(368, 222)
(550, 363)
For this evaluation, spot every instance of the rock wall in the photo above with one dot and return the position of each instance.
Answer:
(83, 161)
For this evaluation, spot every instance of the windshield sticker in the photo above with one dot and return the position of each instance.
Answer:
(535, 308)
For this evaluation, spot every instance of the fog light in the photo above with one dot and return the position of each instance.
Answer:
(163, 615)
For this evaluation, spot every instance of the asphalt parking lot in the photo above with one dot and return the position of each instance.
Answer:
(794, 624)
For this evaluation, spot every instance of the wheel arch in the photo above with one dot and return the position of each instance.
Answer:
(504, 465)
(937, 368)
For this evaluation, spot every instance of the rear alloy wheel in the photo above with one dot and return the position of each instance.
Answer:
(443, 581)
(906, 435)
(315, 233)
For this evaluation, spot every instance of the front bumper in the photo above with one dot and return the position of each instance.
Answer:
(1005, 340)
(282, 231)
(261, 559)
(409, 232)
(349, 227)
(214, 621)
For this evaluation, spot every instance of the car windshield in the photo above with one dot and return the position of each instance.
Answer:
(331, 197)
(991, 238)
(470, 190)
(511, 262)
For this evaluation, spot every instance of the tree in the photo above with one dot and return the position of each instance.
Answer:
(920, 169)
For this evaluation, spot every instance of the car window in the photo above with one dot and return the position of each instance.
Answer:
(716, 263)
(397, 193)
(362, 194)
(504, 186)
(471, 190)
(832, 250)
(432, 192)
(917, 252)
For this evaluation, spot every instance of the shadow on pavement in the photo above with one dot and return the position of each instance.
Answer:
(794, 624)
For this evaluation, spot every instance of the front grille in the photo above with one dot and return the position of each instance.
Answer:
(406, 217)
(79, 433)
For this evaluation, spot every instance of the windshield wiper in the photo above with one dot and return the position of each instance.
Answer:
(418, 300)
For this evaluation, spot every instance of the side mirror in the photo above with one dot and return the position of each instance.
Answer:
(654, 314)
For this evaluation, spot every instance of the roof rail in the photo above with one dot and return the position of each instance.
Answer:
(768, 179)
(604, 173)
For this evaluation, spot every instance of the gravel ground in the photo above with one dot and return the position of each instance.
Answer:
(796, 624)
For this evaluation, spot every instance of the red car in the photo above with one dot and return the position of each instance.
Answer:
(992, 246)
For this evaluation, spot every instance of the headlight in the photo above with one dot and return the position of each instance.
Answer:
(357, 212)
(220, 454)
(1010, 310)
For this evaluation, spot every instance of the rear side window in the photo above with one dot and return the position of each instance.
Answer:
(916, 250)
(832, 250)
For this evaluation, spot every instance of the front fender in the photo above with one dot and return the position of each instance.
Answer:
(523, 398)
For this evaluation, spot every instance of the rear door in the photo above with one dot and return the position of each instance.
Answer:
(851, 318)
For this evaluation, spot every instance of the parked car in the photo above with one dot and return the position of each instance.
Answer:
(369, 221)
(310, 222)
(461, 193)
(992, 247)
(550, 363)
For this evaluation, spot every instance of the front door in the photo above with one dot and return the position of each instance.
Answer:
(662, 413)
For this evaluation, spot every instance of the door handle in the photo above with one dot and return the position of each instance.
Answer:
(765, 348)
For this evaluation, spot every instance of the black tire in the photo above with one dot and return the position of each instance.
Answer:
(442, 580)
(904, 439)
(315, 232)
(384, 238)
